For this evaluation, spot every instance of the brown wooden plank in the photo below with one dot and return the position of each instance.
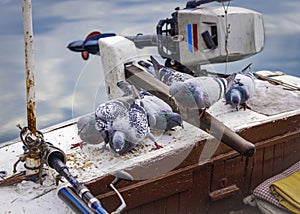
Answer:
(218, 176)
(160, 206)
(172, 204)
(150, 190)
(136, 210)
(227, 195)
(157, 207)
(185, 202)
(201, 189)
(148, 208)
(291, 153)
(266, 131)
(257, 178)
(268, 162)
(246, 186)
(218, 181)
(278, 158)
(239, 179)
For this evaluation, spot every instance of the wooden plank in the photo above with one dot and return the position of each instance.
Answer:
(257, 178)
(218, 180)
(208, 123)
(291, 153)
(228, 192)
(237, 173)
(136, 210)
(246, 186)
(185, 202)
(269, 130)
(148, 208)
(278, 158)
(172, 204)
(224, 193)
(268, 162)
(150, 190)
(201, 189)
(160, 206)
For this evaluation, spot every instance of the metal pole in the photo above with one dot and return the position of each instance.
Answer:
(29, 63)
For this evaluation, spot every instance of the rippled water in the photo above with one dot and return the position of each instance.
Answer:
(67, 86)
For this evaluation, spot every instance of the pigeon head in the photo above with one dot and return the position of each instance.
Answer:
(118, 141)
(235, 98)
(119, 144)
(172, 120)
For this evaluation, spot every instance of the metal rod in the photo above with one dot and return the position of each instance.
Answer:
(29, 63)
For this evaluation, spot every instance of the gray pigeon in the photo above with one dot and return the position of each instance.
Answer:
(168, 75)
(241, 90)
(160, 114)
(87, 131)
(200, 92)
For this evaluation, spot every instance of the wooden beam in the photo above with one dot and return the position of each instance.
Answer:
(208, 122)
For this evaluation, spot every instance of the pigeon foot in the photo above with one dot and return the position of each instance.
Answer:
(75, 145)
(245, 106)
(202, 112)
(157, 146)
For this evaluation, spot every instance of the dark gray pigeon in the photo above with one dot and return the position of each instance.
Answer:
(241, 90)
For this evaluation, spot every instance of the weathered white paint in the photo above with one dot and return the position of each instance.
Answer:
(115, 52)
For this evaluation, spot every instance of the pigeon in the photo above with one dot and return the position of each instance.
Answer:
(168, 75)
(87, 131)
(200, 92)
(148, 67)
(127, 126)
(160, 114)
(241, 90)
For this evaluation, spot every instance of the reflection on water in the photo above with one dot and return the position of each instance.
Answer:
(67, 86)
